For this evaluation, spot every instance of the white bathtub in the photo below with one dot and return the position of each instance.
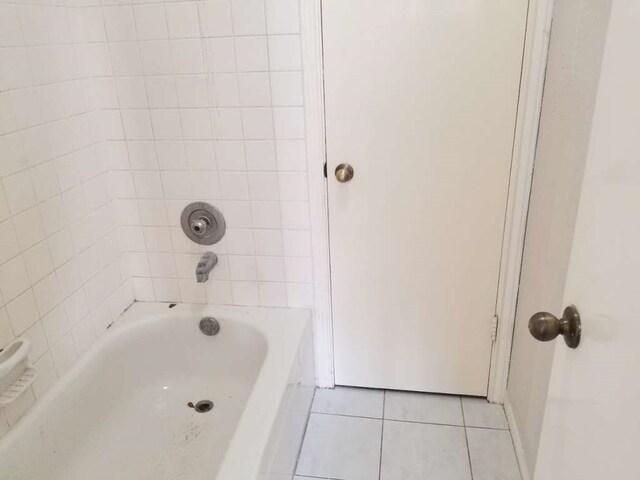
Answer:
(122, 412)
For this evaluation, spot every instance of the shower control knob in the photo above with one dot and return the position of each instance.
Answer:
(199, 226)
(545, 326)
(344, 173)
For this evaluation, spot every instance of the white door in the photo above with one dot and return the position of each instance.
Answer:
(591, 424)
(421, 101)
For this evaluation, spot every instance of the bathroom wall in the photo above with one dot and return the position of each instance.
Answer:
(212, 106)
(573, 69)
(61, 282)
(113, 117)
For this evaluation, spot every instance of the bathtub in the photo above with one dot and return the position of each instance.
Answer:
(125, 410)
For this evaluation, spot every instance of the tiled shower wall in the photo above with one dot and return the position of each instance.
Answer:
(61, 281)
(113, 117)
(212, 106)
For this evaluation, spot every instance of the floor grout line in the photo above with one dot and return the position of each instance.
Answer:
(466, 438)
(410, 421)
(384, 399)
(304, 434)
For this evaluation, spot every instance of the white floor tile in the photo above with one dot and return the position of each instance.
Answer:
(423, 407)
(359, 402)
(480, 413)
(492, 455)
(415, 451)
(347, 448)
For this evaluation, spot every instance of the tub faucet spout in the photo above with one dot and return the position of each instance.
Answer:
(205, 265)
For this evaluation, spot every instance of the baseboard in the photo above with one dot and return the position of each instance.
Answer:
(517, 440)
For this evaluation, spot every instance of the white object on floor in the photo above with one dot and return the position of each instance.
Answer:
(122, 412)
(16, 374)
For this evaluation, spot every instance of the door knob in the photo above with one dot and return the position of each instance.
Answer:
(545, 326)
(344, 173)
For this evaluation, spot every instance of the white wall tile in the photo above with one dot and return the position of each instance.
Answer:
(283, 16)
(192, 91)
(266, 214)
(284, 52)
(227, 124)
(23, 312)
(286, 89)
(166, 289)
(47, 293)
(248, 17)
(182, 20)
(13, 278)
(56, 325)
(64, 354)
(187, 55)
(29, 227)
(293, 186)
(151, 21)
(38, 262)
(240, 241)
(300, 295)
(161, 91)
(119, 23)
(272, 294)
(223, 57)
(252, 54)
(225, 90)
(245, 293)
(263, 185)
(255, 89)
(219, 292)
(215, 18)
(288, 122)
(125, 59)
(155, 58)
(268, 242)
(261, 155)
(258, 123)
(19, 192)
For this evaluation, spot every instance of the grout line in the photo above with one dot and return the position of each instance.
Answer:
(466, 439)
(408, 421)
(304, 435)
(384, 399)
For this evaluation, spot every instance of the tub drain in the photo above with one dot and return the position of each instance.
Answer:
(203, 406)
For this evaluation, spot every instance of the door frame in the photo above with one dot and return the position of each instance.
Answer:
(537, 33)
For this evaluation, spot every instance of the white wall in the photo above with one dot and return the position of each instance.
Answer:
(575, 55)
(212, 105)
(61, 282)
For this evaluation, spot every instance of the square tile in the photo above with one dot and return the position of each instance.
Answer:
(341, 447)
(480, 413)
(423, 407)
(358, 402)
(417, 451)
(492, 454)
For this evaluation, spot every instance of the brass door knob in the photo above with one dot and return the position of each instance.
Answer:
(545, 326)
(344, 173)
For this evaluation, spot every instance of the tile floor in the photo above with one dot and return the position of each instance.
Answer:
(362, 434)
